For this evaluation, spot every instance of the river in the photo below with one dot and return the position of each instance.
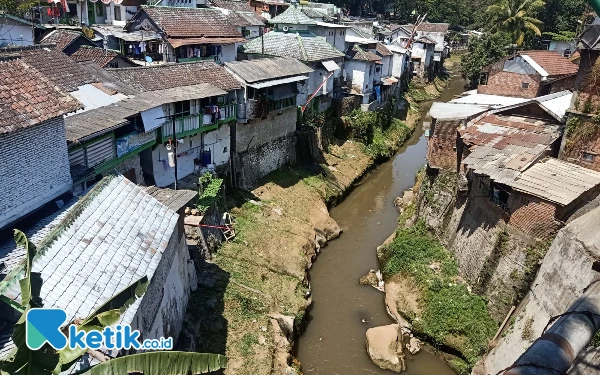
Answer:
(334, 340)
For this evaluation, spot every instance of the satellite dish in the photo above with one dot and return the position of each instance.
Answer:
(285, 28)
(148, 59)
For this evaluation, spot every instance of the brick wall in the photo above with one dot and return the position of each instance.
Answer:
(510, 84)
(567, 83)
(34, 169)
(532, 215)
(441, 148)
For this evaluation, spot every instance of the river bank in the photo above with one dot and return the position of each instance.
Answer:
(253, 295)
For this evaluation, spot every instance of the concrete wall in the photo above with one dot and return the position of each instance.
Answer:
(259, 161)
(258, 132)
(15, 34)
(34, 169)
(161, 311)
(125, 167)
(510, 84)
(263, 146)
(469, 226)
(334, 36)
(217, 141)
(564, 273)
(398, 65)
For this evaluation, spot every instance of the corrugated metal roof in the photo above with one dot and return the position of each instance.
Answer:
(485, 99)
(277, 82)
(257, 70)
(494, 163)
(118, 235)
(119, 33)
(332, 25)
(557, 103)
(449, 111)
(557, 181)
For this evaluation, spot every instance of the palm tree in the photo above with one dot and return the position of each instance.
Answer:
(515, 17)
(47, 361)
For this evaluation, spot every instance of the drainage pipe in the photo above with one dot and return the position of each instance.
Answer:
(554, 352)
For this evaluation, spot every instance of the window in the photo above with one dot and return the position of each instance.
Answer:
(483, 78)
(524, 85)
(588, 156)
(524, 201)
(378, 69)
(99, 10)
(182, 108)
(117, 11)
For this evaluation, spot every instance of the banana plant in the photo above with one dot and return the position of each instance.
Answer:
(48, 361)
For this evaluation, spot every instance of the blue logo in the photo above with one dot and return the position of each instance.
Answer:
(44, 326)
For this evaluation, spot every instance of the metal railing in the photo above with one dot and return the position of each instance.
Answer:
(182, 125)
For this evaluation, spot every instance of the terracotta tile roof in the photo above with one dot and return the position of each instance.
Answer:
(61, 38)
(168, 76)
(100, 56)
(433, 27)
(235, 5)
(304, 47)
(357, 53)
(552, 62)
(28, 98)
(55, 65)
(179, 22)
(383, 50)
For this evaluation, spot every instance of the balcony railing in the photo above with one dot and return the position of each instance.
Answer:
(183, 125)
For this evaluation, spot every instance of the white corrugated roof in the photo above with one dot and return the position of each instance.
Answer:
(536, 66)
(485, 99)
(447, 111)
(558, 103)
(557, 181)
(330, 65)
(276, 82)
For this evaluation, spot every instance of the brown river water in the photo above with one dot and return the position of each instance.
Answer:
(334, 340)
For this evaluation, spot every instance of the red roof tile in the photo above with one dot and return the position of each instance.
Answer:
(552, 62)
(28, 98)
(235, 5)
(62, 38)
(167, 76)
(383, 50)
(179, 22)
(100, 56)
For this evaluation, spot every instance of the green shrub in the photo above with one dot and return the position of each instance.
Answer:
(210, 188)
(450, 315)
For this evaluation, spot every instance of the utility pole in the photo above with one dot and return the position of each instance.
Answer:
(173, 137)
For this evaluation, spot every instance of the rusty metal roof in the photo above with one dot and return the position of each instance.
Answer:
(499, 131)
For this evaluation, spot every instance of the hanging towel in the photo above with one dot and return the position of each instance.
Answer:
(171, 159)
